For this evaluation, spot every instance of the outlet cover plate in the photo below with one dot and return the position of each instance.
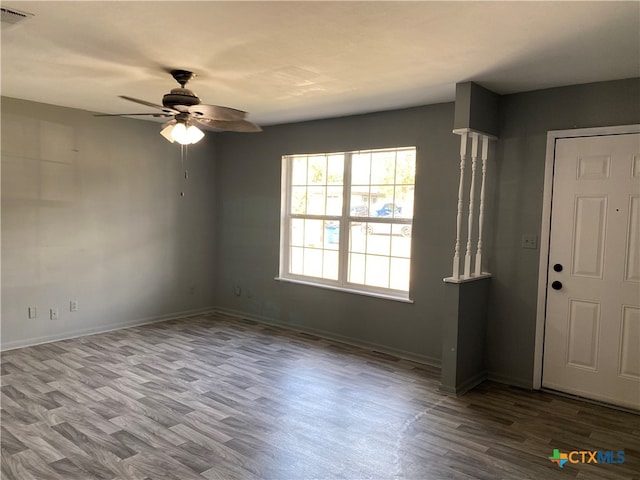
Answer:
(530, 241)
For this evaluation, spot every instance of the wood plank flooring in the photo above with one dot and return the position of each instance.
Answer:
(216, 397)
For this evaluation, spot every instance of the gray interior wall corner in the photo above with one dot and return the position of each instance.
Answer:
(476, 108)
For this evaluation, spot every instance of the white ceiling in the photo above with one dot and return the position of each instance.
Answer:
(292, 61)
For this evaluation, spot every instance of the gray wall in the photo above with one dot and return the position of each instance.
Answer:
(476, 108)
(248, 222)
(519, 164)
(463, 335)
(249, 226)
(92, 212)
(105, 225)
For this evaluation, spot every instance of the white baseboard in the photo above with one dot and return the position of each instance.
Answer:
(423, 359)
(29, 342)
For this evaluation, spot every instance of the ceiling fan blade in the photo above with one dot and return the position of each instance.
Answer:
(149, 104)
(230, 126)
(132, 114)
(216, 112)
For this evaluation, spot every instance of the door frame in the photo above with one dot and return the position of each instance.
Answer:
(545, 230)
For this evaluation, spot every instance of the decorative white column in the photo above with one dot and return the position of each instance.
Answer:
(485, 154)
(472, 196)
(456, 252)
(477, 139)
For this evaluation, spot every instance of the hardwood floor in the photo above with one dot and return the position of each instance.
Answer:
(215, 397)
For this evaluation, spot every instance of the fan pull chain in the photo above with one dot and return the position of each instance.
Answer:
(183, 159)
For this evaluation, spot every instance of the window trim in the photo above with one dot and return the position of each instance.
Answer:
(366, 293)
(342, 283)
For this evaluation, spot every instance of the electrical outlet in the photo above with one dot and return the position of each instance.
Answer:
(237, 291)
(530, 241)
(33, 312)
(53, 314)
(73, 306)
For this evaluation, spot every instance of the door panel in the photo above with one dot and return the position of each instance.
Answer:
(632, 252)
(589, 236)
(596, 167)
(582, 344)
(629, 351)
(592, 327)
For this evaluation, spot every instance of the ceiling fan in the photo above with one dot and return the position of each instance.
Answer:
(188, 114)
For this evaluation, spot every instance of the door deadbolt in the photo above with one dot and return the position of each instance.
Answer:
(557, 267)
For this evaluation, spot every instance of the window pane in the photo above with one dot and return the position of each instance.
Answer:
(358, 238)
(296, 236)
(401, 241)
(317, 171)
(383, 167)
(316, 200)
(295, 260)
(331, 235)
(372, 207)
(335, 169)
(377, 271)
(406, 167)
(400, 274)
(360, 165)
(299, 200)
(330, 267)
(359, 201)
(334, 201)
(299, 171)
(381, 204)
(378, 238)
(404, 200)
(313, 233)
(313, 262)
(356, 268)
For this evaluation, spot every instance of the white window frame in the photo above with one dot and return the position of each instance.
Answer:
(343, 220)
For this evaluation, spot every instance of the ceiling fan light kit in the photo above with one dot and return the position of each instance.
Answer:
(188, 114)
(182, 133)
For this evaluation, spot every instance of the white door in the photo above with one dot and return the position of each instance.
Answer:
(592, 328)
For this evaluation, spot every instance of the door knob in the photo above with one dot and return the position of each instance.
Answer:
(556, 285)
(557, 267)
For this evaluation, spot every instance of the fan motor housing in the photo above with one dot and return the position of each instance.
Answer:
(180, 96)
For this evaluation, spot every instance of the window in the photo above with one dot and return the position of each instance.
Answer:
(347, 220)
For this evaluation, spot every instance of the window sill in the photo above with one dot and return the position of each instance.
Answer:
(384, 296)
